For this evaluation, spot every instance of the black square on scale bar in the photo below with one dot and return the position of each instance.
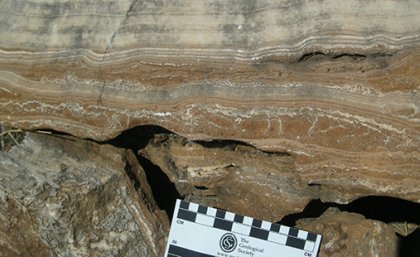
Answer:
(223, 224)
(238, 218)
(275, 227)
(220, 214)
(184, 205)
(186, 215)
(259, 233)
(311, 237)
(202, 209)
(256, 223)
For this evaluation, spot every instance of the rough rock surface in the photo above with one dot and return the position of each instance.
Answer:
(332, 83)
(349, 234)
(64, 197)
(234, 177)
(241, 178)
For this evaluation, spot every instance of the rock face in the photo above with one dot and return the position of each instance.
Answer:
(325, 92)
(349, 234)
(238, 178)
(333, 84)
(241, 178)
(73, 198)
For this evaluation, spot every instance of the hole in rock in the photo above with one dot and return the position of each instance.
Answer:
(354, 56)
(232, 144)
(409, 245)
(201, 187)
(314, 209)
(228, 144)
(164, 191)
(137, 138)
(318, 55)
(310, 55)
(131, 176)
(385, 209)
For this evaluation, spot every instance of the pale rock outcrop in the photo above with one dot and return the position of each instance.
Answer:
(67, 197)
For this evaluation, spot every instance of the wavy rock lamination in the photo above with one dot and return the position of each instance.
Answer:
(335, 85)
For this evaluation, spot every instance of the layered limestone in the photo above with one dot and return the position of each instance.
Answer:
(237, 178)
(246, 180)
(333, 84)
(66, 197)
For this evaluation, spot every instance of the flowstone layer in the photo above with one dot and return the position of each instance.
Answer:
(335, 85)
(315, 99)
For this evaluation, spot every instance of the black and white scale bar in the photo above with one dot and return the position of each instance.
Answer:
(200, 229)
(248, 226)
(176, 251)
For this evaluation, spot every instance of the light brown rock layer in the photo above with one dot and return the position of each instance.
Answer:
(248, 181)
(333, 84)
(237, 178)
(350, 234)
(62, 197)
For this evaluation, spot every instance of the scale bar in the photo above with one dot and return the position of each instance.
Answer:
(176, 251)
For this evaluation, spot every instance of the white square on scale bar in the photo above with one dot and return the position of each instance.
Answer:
(266, 225)
(211, 211)
(309, 246)
(240, 228)
(284, 230)
(204, 220)
(247, 220)
(193, 207)
(302, 234)
(229, 216)
(278, 238)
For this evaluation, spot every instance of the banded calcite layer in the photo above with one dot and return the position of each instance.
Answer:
(332, 83)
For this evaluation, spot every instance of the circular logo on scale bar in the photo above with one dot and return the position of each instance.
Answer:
(228, 242)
